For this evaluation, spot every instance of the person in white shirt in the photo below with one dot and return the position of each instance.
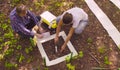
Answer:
(75, 16)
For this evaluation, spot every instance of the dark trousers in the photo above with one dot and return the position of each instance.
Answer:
(29, 26)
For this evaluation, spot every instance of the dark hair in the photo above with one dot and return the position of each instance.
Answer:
(67, 18)
(21, 9)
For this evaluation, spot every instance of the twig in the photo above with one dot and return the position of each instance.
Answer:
(94, 58)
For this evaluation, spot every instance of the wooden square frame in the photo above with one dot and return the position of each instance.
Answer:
(60, 59)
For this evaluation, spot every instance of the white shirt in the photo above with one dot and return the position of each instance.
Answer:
(78, 14)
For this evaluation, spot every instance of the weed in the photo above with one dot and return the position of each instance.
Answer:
(21, 58)
(33, 43)
(69, 58)
(44, 60)
(70, 67)
(19, 47)
(10, 65)
(106, 60)
(1, 56)
(29, 59)
(9, 35)
(14, 2)
(39, 4)
(9, 52)
(4, 26)
(80, 54)
(28, 50)
(101, 49)
(89, 40)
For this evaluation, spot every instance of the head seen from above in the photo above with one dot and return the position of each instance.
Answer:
(67, 18)
(21, 10)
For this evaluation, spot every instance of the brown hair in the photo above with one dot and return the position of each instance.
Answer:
(67, 18)
(21, 9)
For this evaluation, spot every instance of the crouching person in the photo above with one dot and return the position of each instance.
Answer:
(23, 20)
(75, 16)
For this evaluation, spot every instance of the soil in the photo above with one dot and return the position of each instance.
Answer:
(92, 55)
(50, 50)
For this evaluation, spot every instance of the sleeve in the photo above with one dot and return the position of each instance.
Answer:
(33, 17)
(22, 28)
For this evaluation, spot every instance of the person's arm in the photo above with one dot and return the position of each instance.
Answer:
(18, 24)
(68, 38)
(57, 31)
(33, 17)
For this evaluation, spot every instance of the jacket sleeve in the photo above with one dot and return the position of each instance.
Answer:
(22, 28)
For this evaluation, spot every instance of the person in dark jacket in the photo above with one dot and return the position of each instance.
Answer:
(23, 20)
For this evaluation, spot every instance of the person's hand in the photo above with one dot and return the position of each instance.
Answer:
(39, 35)
(41, 30)
(62, 48)
(56, 40)
(35, 28)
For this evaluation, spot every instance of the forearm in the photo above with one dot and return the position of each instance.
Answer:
(28, 32)
(67, 39)
(24, 30)
(57, 31)
(69, 36)
(58, 28)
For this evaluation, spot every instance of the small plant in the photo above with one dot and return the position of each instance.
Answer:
(69, 58)
(80, 54)
(28, 50)
(29, 59)
(44, 60)
(19, 47)
(14, 2)
(21, 58)
(70, 67)
(9, 52)
(106, 60)
(33, 43)
(39, 4)
(101, 49)
(1, 56)
(8, 35)
(89, 40)
(4, 26)
(10, 66)
(58, 4)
